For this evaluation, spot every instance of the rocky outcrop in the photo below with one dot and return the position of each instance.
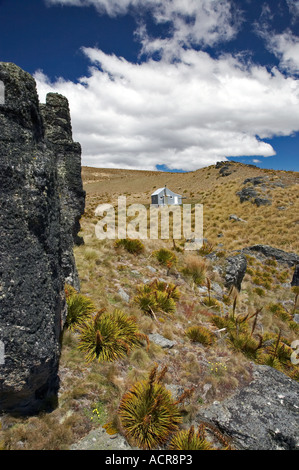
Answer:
(225, 168)
(295, 280)
(251, 195)
(258, 190)
(235, 271)
(58, 132)
(41, 200)
(262, 416)
(266, 251)
(99, 439)
(255, 191)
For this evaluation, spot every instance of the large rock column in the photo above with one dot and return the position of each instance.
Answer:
(41, 201)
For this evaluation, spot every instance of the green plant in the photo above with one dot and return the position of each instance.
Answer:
(217, 367)
(277, 348)
(279, 311)
(133, 246)
(259, 291)
(200, 334)
(211, 302)
(206, 248)
(271, 262)
(79, 308)
(244, 342)
(109, 336)
(157, 297)
(99, 413)
(148, 414)
(190, 440)
(222, 322)
(270, 360)
(165, 257)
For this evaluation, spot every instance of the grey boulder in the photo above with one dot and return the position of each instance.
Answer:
(262, 416)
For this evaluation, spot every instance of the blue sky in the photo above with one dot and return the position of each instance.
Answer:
(166, 84)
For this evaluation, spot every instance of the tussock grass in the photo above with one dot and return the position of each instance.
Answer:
(224, 365)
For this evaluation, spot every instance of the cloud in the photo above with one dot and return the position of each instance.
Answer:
(185, 114)
(286, 47)
(294, 8)
(200, 22)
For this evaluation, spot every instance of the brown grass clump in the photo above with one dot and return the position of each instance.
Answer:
(196, 268)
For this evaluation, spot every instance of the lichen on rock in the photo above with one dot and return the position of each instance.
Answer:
(42, 200)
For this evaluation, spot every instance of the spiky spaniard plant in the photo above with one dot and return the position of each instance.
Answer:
(165, 256)
(148, 413)
(188, 439)
(109, 336)
(244, 342)
(79, 308)
(200, 334)
(157, 297)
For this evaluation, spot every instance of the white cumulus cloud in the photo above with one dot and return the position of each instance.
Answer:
(286, 47)
(203, 22)
(285, 44)
(186, 114)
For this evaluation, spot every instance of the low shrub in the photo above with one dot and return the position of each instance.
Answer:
(279, 311)
(200, 334)
(211, 302)
(259, 291)
(148, 414)
(165, 257)
(109, 336)
(157, 297)
(244, 342)
(190, 440)
(133, 246)
(79, 308)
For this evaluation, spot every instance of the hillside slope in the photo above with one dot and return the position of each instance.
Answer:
(221, 320)
(215, 187)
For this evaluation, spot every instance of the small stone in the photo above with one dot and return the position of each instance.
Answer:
(123, 294)
(161, 341)
(135, 272)
(206, 388)
(217, 288)
(236, 218)
(175, 390)
(150, 268)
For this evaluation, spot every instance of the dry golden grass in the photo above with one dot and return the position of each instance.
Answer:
(216, 370)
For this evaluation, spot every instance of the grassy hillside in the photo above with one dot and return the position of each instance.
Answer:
(179, 295)
(268, 224)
